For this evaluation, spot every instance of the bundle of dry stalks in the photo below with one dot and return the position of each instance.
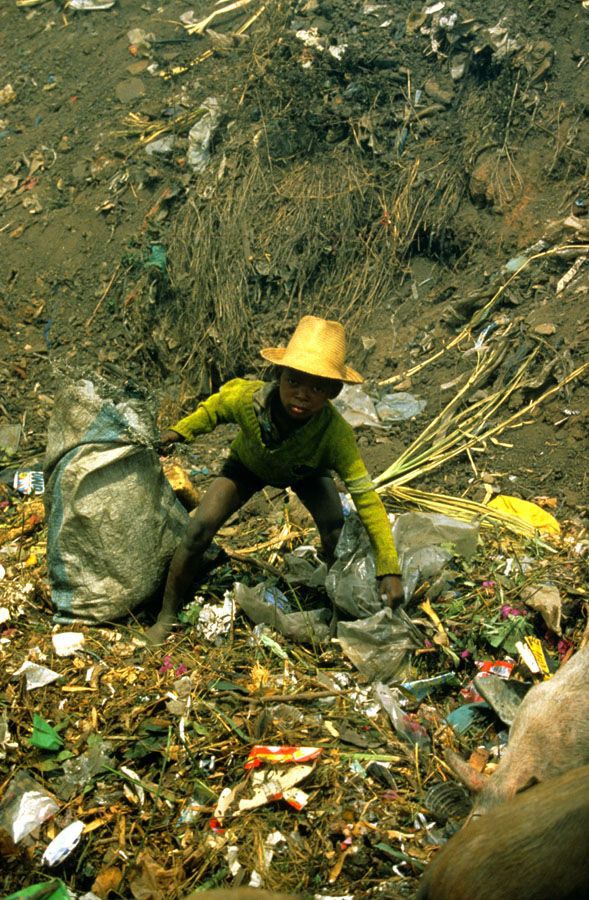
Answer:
(318, 234)
(462, 427)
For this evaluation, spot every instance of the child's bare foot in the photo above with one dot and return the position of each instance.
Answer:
(158, 633)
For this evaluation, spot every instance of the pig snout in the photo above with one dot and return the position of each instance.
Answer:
(533, 846)
(549, 736)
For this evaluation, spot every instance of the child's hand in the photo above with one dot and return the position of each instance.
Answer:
(167, 438)
(391, 590)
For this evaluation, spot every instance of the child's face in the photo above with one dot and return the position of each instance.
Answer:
(302, 395)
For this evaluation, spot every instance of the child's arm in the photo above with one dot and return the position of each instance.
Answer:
(167, 438)
(349, 465)
(217, 409)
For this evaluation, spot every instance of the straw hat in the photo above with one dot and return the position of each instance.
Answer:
(317, 347)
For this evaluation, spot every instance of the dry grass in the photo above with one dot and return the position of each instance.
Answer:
(316, 235)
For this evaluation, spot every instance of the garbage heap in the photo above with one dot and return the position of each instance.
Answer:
(258, 747)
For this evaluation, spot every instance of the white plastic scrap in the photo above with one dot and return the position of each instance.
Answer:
(161, 146)
(231, 857)
(310, 38)
(337, 50)
(62, 845)
(5, 737)
(33, 808)
(91, 5)
(188, 17)
(268, 784)
(214, 622)
(201, 135)
(570, 274)
(66, 643)
(36, 676)
(136, 793)
(334, 897)
(432, 10)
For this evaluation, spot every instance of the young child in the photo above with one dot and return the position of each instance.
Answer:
(290, 435)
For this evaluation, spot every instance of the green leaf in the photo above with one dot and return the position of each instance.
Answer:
(65, 754)
(44, 736)
(221, 684)
(50, 764)
(199, 729)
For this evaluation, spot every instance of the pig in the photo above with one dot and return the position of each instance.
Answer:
(549, 735)
(533, 846)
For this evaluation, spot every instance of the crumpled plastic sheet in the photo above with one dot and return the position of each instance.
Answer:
(425, 542)
(405, 725)
(360, 409)
(201, 135)
(399, 407)
(351, 582)
(379, 646)
(214, 621)
(36, 676)
(306, 626)
(79, 771)
(357, 407)
(304, 567)
(25, 806)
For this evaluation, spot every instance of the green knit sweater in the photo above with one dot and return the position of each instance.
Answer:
(326, 441)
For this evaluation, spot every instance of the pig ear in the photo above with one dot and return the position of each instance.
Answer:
(473, 780)
(529, 783)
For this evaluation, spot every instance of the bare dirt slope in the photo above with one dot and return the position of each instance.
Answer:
(495, 155)
(412, 170)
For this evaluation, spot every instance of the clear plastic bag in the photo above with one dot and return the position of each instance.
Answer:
(379, 646)
(303, 567)
(406, 725)
(25, 806)
(79, 771)
(360, 409)
(351, 582)
(399, 407)
(357, 407)
(306, 626)
(427, 541)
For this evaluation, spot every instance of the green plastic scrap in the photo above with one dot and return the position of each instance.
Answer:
(44, 736)
(157, 258)
(393, 853)
(273, 646)
(45, 890)
(463, 717)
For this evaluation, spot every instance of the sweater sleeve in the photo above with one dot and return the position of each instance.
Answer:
(218, 409)
(349, 465)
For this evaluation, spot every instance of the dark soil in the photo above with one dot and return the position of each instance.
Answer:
(497, 163)
(81, 217)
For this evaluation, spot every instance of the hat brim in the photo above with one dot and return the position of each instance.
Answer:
(277, 355)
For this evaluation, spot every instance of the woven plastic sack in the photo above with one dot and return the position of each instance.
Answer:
(113, 519)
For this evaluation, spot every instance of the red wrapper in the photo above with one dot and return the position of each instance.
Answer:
(261, 753)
